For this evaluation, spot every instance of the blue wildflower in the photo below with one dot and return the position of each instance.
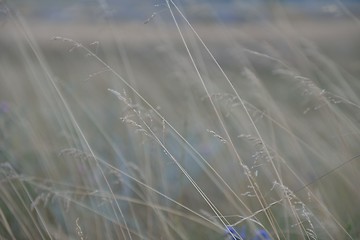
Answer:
(260, 234)
(234, 235)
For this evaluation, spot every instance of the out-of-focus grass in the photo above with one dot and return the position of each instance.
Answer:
(151, 158)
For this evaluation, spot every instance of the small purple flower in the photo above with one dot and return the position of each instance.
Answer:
(260, 234)
(234, 235)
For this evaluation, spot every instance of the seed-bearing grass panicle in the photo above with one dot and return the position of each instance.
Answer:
(221, 139)
(305, 216)
(139, 118)
(79, 230)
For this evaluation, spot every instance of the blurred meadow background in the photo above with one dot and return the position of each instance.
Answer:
(164, 119)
